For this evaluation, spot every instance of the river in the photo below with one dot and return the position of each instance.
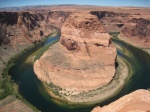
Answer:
(32, 90)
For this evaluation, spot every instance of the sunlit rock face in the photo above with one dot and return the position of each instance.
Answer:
(83, 59)
(138, 101)
(84, 28)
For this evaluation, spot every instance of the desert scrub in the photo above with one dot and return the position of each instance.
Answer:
(55, 89)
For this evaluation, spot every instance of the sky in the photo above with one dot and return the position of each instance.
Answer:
(136, 3)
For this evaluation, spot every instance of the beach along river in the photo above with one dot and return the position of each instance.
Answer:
(32, 89)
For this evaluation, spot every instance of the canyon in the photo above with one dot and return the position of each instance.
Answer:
(25, 29)
(84, 58)
(18, 34)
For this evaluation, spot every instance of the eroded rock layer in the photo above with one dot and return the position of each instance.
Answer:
(28, 27)
(138, 101)
(137, 32)
(83, 60)
(22, 28)
(137, 28)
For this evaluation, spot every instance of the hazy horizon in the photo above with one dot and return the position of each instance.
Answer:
(128, 3)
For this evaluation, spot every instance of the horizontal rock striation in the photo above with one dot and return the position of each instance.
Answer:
(113, 21)
(22, 28)
(137, 31)
(84, 28)
(28, 27)
(57, 18)
(83, 60)
(137, 28)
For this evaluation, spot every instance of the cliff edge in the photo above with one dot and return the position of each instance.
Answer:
(137, 101)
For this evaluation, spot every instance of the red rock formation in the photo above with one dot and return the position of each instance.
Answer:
(83, 60)
(137, 31)
(57, 18)
(83, 28)
(28, 27)
(138, 101)
(19, 30)
(137, 28)
(22, 28)
(113, 21)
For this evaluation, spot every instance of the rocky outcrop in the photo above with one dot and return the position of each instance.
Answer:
(12, 104)
(5, 19)
(22, 28)
(102, 14)
(113, 21)
(57, 18)
(83, 29)
(25, 29)
(19, 30)
(83, 60)
(28, 27)
(137, 31)
(138, 101)
(137, 28)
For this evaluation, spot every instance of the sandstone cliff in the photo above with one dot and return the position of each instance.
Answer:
(57, 18)
(22, 28)
(137, 31)
(138, 101)
(83, 60)
(19, 30)
(113, 21)
(137, 27)
(28, 27)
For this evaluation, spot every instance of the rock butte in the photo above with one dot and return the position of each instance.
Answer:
(83, 59)
(137, 101)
